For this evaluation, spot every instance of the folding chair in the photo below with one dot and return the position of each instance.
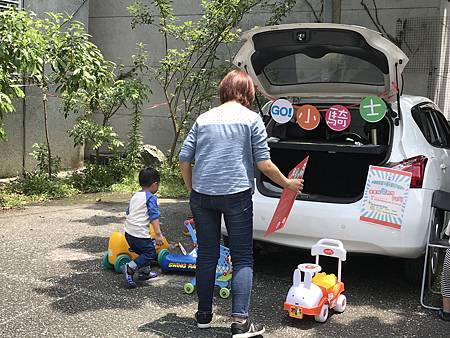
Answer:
(436, 242)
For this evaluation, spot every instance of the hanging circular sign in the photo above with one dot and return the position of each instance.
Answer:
(308, 117)
(282, 111)
(372, 109)
(338, 118)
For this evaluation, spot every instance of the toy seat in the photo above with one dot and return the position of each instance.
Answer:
(324, 280)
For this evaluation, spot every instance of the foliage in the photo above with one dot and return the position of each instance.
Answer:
(40, 154)
(172, 184)
(95, 178)
(192, 63)
(19, 45)
(41, 187)
(41, 53)
(124, 90)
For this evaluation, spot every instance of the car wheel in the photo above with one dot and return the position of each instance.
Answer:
(413, 270)
(323, 316)
(341, 304)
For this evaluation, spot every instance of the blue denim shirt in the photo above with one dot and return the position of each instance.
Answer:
(225, 143)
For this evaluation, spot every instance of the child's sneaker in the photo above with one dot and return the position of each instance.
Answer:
(128, 274)
(203, 319)
(246, 329)
(146, 275)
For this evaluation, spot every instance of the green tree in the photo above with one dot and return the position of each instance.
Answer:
(49, 57)
(193, 61)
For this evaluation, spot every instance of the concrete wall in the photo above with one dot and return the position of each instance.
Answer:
(109, 24)
(26, 126)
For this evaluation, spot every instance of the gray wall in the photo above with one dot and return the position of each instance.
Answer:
(25, 128)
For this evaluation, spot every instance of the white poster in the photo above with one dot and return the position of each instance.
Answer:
(385, 197)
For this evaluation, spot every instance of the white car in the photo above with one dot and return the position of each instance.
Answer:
(325, 64)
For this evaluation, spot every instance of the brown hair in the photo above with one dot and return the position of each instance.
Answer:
(238, 86)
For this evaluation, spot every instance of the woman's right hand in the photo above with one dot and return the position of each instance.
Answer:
(295, 185)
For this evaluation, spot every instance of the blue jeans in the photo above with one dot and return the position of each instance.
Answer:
(237, 210)
(144, 247)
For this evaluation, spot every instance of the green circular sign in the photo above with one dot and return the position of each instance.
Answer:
(372, 109)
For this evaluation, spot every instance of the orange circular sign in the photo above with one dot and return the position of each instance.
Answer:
(308, 117)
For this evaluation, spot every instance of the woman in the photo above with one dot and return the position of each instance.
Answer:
(226, 142)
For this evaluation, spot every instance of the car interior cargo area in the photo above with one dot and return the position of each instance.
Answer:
(338, 161)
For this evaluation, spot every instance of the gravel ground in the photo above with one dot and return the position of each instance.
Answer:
(52, 283)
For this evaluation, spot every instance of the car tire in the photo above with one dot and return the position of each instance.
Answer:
(413, 270)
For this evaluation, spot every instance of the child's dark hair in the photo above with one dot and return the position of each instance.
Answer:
(148, 176)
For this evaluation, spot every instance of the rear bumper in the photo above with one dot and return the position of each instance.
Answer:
(310, 221)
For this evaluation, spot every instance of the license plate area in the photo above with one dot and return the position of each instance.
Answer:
(295, 312)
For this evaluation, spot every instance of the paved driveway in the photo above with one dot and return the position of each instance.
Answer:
(52, 284)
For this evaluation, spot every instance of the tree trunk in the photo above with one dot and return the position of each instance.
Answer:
(44, 101)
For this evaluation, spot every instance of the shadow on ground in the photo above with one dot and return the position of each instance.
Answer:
(172, 325)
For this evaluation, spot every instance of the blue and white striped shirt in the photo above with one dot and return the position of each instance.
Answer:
(225, 143)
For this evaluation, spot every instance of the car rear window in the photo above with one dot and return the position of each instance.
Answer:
(330, 68)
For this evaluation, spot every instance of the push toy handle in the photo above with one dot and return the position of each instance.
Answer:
(331, 242)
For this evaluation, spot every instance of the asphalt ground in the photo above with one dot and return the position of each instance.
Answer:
(52, 283)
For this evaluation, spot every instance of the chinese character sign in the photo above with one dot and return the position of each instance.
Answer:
(308, 117)
(385, 197)
(338, 118)
(372, 109)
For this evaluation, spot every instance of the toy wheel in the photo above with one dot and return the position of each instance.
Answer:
(323, 316)
(162, 254)
(105, 262)
(341, 304)
(121, 260)
(224, 293)
(189, 288)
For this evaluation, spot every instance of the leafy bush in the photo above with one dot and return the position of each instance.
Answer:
(40, 154)
(96, 178)
(42, 187)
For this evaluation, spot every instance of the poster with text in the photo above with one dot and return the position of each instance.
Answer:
(385, 197)
(286, 201)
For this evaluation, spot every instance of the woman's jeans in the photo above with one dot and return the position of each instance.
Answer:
(237, 210)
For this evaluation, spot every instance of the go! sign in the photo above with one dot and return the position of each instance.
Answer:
(282, 111)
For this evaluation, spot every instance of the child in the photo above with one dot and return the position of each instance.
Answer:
(142, 211)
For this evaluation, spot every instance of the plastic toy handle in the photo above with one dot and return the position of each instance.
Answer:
(331, 242)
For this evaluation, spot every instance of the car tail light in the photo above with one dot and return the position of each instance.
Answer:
(416, 166)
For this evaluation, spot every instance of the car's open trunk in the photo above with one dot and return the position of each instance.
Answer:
(337, 168)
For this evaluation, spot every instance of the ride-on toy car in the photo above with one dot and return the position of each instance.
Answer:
(119, 252)
(319, 292)
(186, 262)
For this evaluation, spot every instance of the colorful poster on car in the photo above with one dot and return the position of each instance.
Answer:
(286, 201)
(385, 197)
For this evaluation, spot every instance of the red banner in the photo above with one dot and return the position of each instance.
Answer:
(287, 199)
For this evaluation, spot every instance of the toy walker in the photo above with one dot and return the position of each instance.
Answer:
(187, 262)
(319, 292)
